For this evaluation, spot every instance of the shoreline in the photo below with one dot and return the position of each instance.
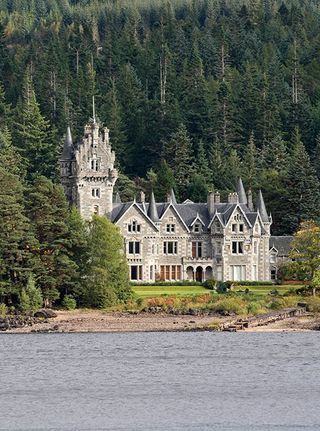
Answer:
(96, 321)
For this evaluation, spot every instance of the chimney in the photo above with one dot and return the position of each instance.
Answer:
(233, 198)
(217, 199)
(142, 197)
(250, 200)
(211, 202)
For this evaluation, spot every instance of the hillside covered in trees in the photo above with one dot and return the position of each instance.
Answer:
(195, 93)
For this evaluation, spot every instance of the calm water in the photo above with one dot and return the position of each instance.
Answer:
(160, 382)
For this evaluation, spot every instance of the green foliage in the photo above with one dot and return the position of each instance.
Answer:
(210, 284)
(34, 294)
(69, 302)
(24, 301)
(3, 310)
(107, 279)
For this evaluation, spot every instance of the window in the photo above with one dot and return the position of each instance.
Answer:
(255, 247)
(197, 249)
(234, 228)
(237, 247)
(170, 272)
(134, 247)
(272, 258)
(238, 217)
(134, 227)
(136, 272)
(254, 273)
(217, 227)
(170, 228)
(238, 272)
(95, 164)
(197, 228)
(170, 247)
(151, 272)
(218, 248)
(241, 228)
(96, 209)
(95, 193)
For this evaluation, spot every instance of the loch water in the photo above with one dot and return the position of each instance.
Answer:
(160, 382)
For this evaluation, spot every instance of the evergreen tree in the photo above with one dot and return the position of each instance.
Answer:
(301, 199)
(165, 181)
(250, 162)
(202, 164)
(17, 243)
(197, 189)
(10, 158)
(177, 151)
(32, 131)
(48, 210)
(108, 274)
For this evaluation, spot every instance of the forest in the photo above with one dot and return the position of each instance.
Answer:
(195, 93)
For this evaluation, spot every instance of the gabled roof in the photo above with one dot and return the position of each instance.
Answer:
(119, 211)
(197, 218)
(282, 244)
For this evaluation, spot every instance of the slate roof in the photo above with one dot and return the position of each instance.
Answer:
(188, 211)
(281, 244)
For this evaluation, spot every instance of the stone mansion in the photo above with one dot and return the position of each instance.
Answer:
(171, 241)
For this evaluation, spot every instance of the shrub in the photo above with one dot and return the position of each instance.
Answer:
(69, 302)
(210, 284)
(224, 286)
(313, 304)
(3, 310)
(256, 308)
(24, 301)
(230, 305)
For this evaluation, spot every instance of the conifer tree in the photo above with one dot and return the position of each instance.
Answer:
(177, 151)
(301, 199)
(32, 131)
(250, 162)
(48, 210)
(165, 181)
(10, 158)
(17, 242)
(202, 164)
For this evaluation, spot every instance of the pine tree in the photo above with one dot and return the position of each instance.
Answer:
(17, 242)
(48, 210)
(10, 158)
(197, 189)
(5, 110)
(108, 275)
(301, 199)
(202, 164)
(250, 163)
(165, 181)
(31, 136)
(177, 151)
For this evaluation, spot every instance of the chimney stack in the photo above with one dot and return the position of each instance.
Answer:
(233, 198)
(211, 202)
(250, 200)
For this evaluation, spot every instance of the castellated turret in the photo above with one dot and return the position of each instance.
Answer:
(87, 171)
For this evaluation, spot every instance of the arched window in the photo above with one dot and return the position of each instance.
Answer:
(96, 209)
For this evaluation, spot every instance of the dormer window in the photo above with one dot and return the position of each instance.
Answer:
(134, 227)
(197, 228)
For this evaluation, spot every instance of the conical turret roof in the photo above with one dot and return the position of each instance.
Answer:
(241, 192)
(68, 145)
(173, 197)
(117, 199)
(261, 207)
(152, 210)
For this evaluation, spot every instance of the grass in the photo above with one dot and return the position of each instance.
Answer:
(180, 291)
(156, 291)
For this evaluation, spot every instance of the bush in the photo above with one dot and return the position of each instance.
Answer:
(3, 310)
(254, 283)
(230, 305)
(313, 304)
(224, 286)
(69, 302)
(210, 284)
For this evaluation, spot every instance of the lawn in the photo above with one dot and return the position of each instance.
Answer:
(156, 291)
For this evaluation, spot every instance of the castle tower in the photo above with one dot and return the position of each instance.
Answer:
(87, 171)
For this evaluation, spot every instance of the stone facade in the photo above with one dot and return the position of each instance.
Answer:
(87, 171)
(169, 241)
